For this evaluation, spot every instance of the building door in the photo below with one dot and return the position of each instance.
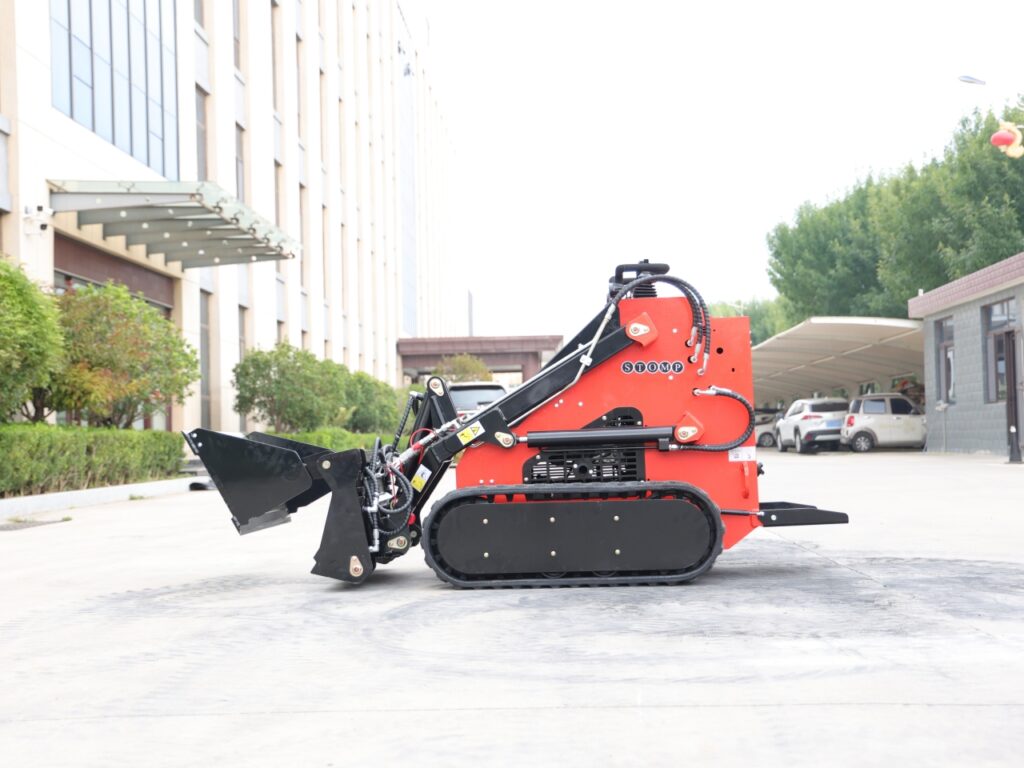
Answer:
(1013, 389)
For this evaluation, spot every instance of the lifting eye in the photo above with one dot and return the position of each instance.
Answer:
(720, 350)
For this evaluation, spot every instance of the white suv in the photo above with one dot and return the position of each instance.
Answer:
(885, 420)
(810, 424)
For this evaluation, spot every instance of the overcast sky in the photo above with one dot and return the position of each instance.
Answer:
(585, 134)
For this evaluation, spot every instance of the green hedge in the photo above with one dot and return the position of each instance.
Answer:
(41, 458)
(336, 438)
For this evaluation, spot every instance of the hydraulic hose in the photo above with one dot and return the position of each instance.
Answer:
(721, 391)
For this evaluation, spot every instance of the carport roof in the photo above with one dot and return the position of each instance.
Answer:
(192, 222)
(823, 353)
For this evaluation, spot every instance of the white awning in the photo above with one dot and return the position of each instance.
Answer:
(195, 223)
(825, 353)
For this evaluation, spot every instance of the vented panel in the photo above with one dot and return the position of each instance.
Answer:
(591, 464)
(583, 465)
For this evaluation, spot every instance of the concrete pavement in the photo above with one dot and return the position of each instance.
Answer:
(148, 632)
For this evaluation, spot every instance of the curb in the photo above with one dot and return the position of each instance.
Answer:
(56, 502)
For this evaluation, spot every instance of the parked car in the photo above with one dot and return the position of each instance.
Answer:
(883, 420)
(470, 396)
(764, 426)
(810, 424)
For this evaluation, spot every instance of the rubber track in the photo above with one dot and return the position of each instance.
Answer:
(569, 491)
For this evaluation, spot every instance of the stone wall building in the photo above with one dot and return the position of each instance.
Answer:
(972, 343)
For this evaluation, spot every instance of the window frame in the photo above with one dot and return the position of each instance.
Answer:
(994, 346)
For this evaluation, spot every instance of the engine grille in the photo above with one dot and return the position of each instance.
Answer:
(592, 463)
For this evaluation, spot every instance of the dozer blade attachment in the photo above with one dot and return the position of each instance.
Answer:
(261, 483)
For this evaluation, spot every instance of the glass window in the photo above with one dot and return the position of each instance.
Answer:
(198, 11)
(201, 141)
(275, 53)
(945, 360)
(113, 71)
(236, 25)
(204, 359)
(901, 407)
(60, 61)
(829, 406)
(867, 388)
(855, 406)
(874, 407)
(240, 162)
(474, 398)
(997, 320)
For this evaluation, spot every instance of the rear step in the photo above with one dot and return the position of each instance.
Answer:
(779, 513)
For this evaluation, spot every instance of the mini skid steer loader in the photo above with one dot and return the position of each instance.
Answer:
(628, 459)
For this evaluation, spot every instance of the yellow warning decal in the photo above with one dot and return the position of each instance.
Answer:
(420, 478)
(471, 433)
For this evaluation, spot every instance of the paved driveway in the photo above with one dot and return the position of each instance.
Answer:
(148, 632)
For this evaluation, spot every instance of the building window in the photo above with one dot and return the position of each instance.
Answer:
(303, 237)
(243, 343)
(275, 54)
(236, 26)
(204, 359)
(240, 162)
(945, 360)
(282, 334)
(113, 70)
(198, 10)
(299, 92)
(867, 388)
(243, 347)
(997, 319)
(202, 167)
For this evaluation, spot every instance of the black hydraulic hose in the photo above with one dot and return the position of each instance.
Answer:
(413, 397)
(698, 308)
(732, 443)
(406, 507)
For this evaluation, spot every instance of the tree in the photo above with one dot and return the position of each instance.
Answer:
(31, 343)
(372, 405)
(827, 263)
(463, 368)
(290, 389)
(871, 251)
(125, 360)
(767, 316)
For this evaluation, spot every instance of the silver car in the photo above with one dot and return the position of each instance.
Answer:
(810, 424)
(883, 420)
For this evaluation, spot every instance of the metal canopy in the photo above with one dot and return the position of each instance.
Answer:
(825, 353)
(195, 223)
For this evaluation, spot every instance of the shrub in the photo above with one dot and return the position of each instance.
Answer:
(41, 458)
(335, 438)
(371, 405)
(125, 360)
(30, 340)
(289, 388)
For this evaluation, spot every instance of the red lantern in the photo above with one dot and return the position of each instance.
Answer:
(1002, 139)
